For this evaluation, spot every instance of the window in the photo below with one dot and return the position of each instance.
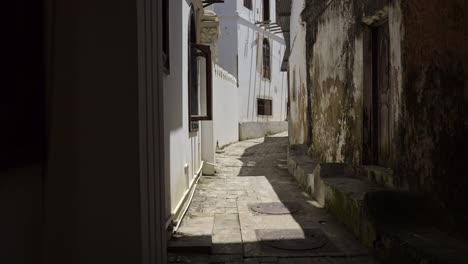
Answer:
(266, 10)
(165, 40)
(264, 107)
(266, 59)
(198, 54)
(248, 4)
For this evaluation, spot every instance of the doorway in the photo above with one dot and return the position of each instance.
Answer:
(377, 105)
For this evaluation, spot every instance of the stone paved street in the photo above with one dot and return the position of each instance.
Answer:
(223, 229)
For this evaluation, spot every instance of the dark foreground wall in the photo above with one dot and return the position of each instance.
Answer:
(431, 138)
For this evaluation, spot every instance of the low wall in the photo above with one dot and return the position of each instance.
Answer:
(248, 130)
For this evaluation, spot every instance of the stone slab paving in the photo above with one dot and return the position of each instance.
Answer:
(255, 171)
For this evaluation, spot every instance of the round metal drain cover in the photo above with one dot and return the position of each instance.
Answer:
(275, 208)
(293, 239)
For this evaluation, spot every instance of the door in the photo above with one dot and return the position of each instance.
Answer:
(381, 90)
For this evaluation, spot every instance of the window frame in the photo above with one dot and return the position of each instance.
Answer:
(266, 59)
(262, 104)
(196, 50)
(248, 4)
(200, 50)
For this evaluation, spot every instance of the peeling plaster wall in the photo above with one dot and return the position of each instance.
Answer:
(298, 89)
(337, 48)
(428, 89)
(335, 63)
(432, 129)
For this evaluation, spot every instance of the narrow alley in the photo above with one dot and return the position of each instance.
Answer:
(253, 211)
(234, 131)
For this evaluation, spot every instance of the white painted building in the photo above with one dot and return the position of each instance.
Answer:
(191, 130)
(251, 48)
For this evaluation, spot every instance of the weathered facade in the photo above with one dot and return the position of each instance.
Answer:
(386, 85)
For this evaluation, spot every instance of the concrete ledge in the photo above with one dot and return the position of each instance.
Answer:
(397, 225)
(249, 130)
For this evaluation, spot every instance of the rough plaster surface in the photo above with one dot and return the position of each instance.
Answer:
(298, 100)
(336, 57)
(432, 129)
(428, 88)
(335, 74)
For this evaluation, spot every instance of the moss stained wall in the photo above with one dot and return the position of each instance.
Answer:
(330, 60)
(335, 56)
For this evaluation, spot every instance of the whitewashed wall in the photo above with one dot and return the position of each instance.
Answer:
(181, 148)
(227, 42)
(225, 107)
(298, 76)
(224, 128)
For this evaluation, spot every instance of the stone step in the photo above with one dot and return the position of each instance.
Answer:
(194, 236)
(397, 225)
(190, 245)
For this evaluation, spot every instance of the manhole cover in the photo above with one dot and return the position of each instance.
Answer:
(293, 239)
(275, 208)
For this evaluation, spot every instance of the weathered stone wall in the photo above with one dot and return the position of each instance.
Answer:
(299, 110)
(335, 55)
(429, 90)
(431, 133)
(331, 63)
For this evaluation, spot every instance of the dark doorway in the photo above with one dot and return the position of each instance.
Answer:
(377, 106)
(266, 10)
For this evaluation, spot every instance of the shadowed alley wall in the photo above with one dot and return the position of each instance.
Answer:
(92, 200)
(431, 133)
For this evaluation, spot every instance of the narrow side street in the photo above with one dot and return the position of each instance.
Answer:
(253, 211)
